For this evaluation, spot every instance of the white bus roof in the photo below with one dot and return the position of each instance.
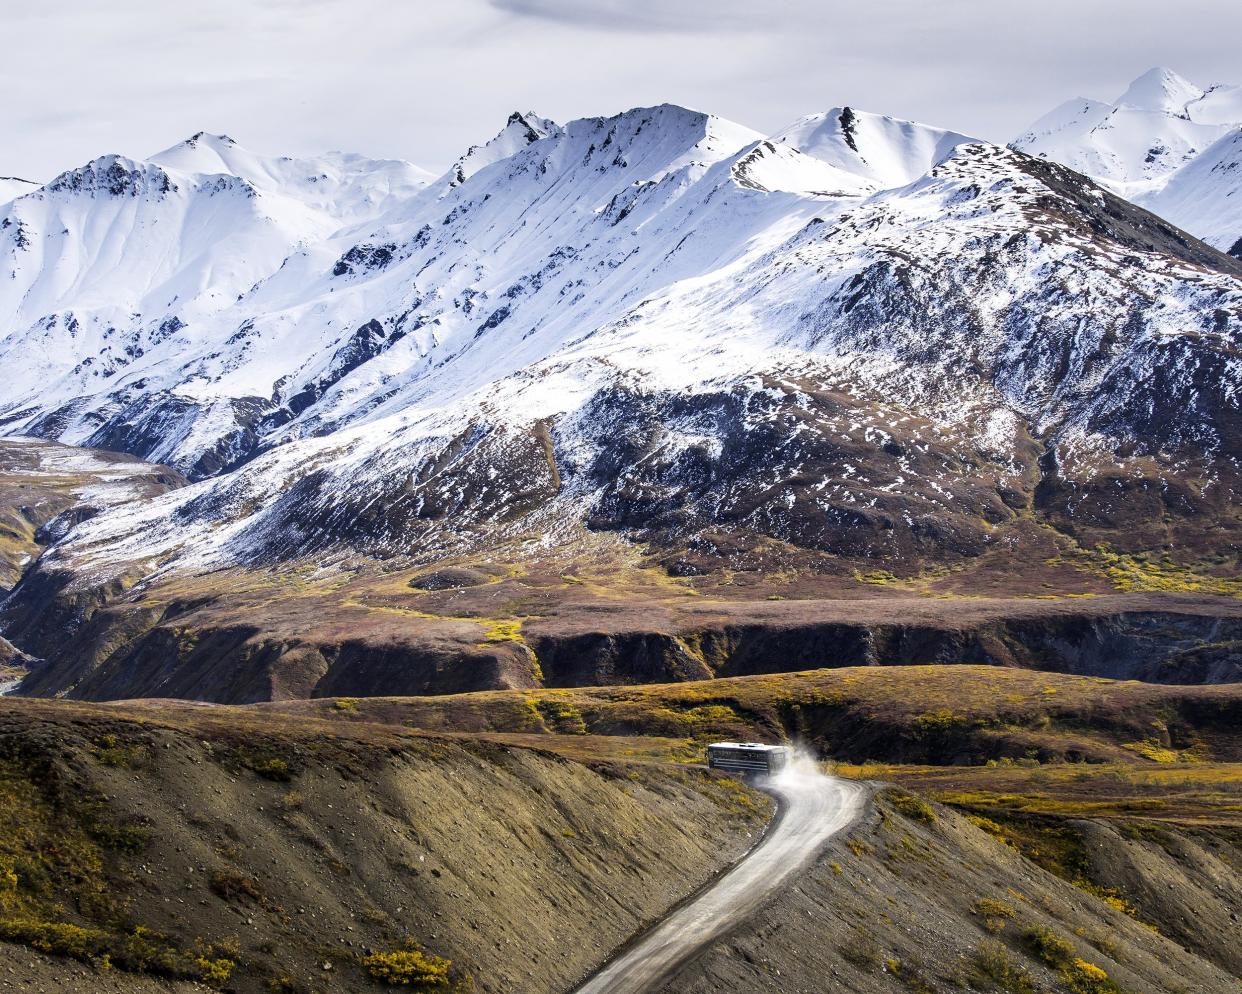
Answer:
(760, 746)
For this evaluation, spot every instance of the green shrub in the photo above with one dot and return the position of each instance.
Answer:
(996, 914)
(1079, 975)
(110, 751)
(909, 975)
(914, 808)
(144, 950)
(562, 716)
(993, 965)
(214, 971)
(56, 938)
(232, 886)
(8, 879)
(128, 838)
(712, 714)
(1053, 949)
(409, 968)
(265, 764)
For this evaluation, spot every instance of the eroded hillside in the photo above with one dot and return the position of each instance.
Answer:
(207, 845)
(601, 610)
(922, 899)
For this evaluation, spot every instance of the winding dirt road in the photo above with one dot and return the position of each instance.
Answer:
(813, 808)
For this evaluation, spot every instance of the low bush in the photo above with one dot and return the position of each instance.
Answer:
(409, 968)
(110, 751)
(127, 837)
(861, 950)
(1053, 949)
(265, 764)
(562, 716)
(1080, 976)
(214, 971)
(232, 886)
(909, 975)
(992, 964)
(913, 807)
(996, 914)
(56, 938)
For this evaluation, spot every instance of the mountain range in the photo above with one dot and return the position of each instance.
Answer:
(1166, 144)
(857, 347)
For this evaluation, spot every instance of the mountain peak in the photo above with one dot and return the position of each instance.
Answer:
(521, 129)
(1158, 125)
(702, 136)
(210, 139)
(536, 127)
(202, 152)
(885, 151)
(1162, 90)
(116, 176)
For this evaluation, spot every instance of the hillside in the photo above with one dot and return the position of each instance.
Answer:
(1205, 195)
(310, 836)
(198, 845)
(1102, 812)
(937, 715)
(46, 489)
(650, 555)
(922, 899)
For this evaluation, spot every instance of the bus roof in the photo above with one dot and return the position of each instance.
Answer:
(758, 746)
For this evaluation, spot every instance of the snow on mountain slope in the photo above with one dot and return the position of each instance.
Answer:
(861, 375)
(1205, 195)
(346, 187)
(13, 186)
(1159, 124)
(519, 131)
(1220, 104)
(109, 264)
(430, 270)
(861, 335)
(1161, 91)
(882, 150)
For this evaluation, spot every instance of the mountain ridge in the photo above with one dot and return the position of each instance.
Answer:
(1166, 144)
(668, 334)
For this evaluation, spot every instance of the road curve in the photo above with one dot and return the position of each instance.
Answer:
(813, 808)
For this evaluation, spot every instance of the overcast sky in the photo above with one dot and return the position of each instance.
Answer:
(424, 79)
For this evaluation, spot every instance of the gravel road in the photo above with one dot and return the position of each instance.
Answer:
(813, 808)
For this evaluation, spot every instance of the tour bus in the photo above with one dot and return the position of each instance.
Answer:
(747, 758)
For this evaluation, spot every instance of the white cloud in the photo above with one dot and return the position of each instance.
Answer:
(424, 80)
(690, 16)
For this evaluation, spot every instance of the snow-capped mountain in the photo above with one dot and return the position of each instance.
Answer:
(519, 131)
(1205, 195)
(1159, 124)
(1165, 144)
(859, 335)
(110, 262)
(883, 151)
